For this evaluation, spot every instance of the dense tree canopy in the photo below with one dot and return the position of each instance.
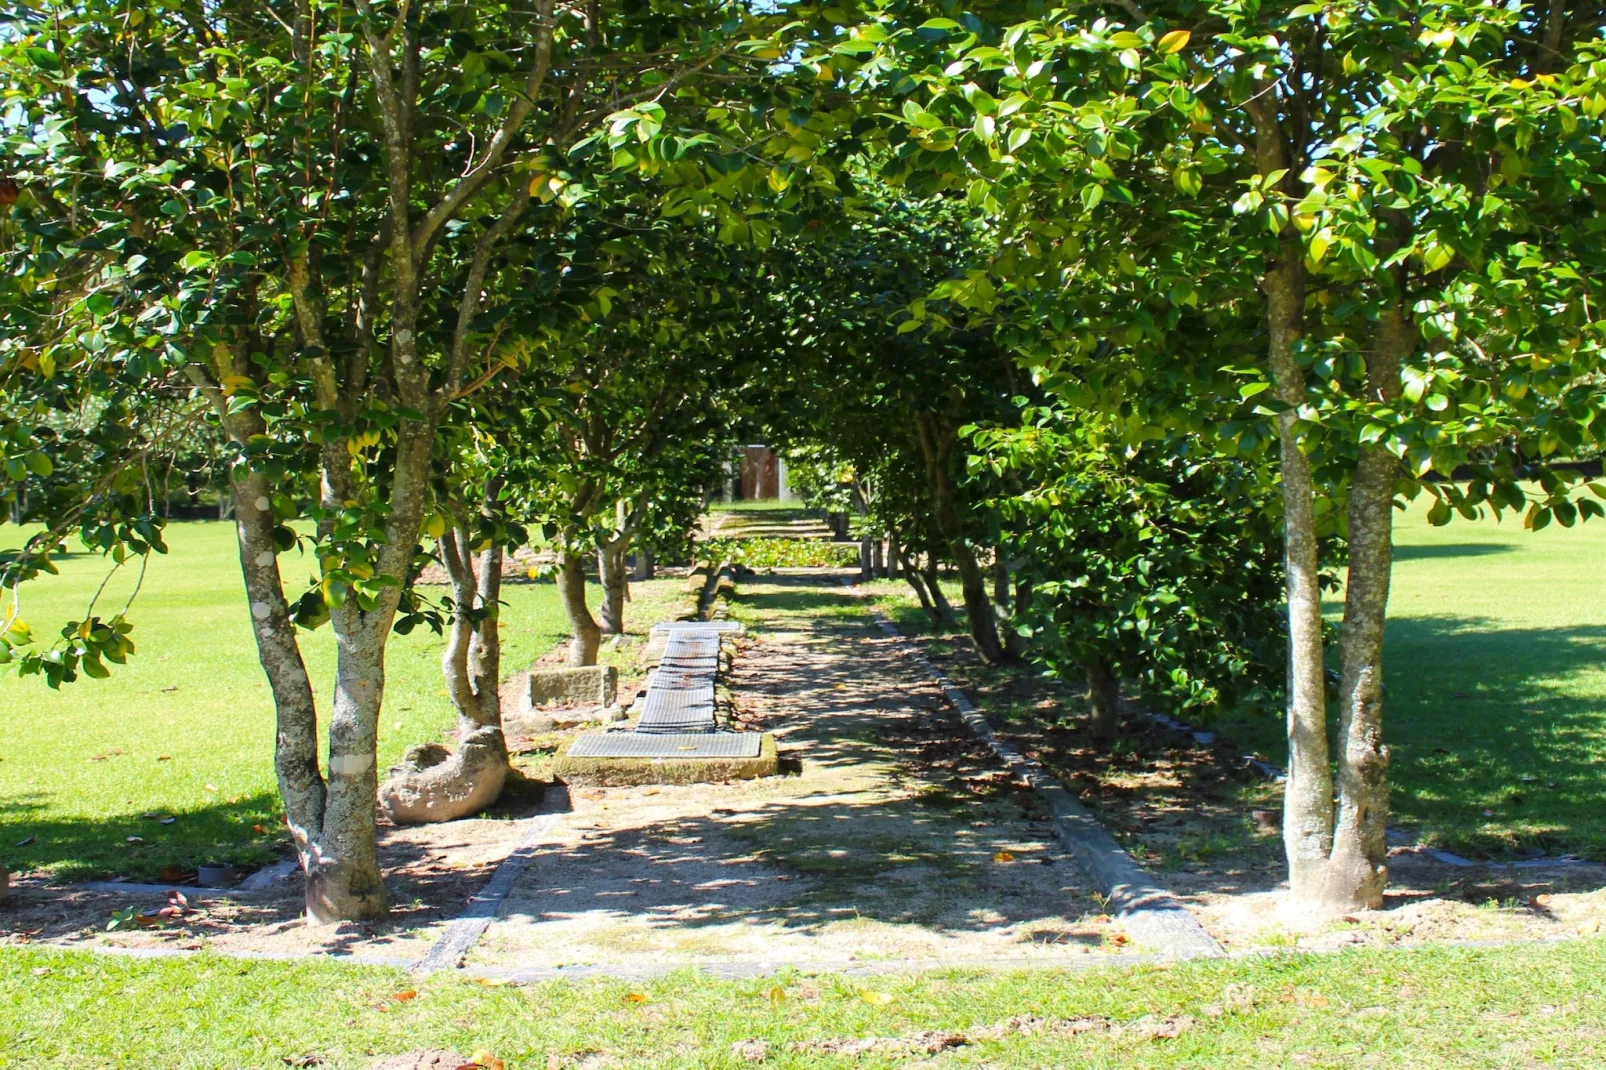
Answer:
(1140, 318)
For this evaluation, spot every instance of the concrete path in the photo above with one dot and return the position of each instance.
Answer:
(894, 836)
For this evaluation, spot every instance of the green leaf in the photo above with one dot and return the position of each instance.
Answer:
(1249, 390)
(1439, 515)
(43, 58)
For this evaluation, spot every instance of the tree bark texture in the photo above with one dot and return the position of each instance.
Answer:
(1357, 869)
(614, 576)
(937, 442)
(1103, 699)
(433, 785)
(1308, 795)
(945, 614)
(585, 637)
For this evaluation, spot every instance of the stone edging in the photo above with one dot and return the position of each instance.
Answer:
(465, 931)
(1152, 915)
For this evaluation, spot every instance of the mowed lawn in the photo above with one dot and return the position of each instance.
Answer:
(1421, 1009)
(1496, 673)
(185, 730)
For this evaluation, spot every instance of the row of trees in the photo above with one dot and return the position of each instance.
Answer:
(1140, 317)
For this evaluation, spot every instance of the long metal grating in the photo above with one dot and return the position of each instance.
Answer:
(678, 745)
(680, 697)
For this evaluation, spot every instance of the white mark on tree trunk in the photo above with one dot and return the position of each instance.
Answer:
(260, 610)
(350, 764)
(263, 505)
(265, 558)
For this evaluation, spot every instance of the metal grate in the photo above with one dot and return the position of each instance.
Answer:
(681, 745)
(709, 626)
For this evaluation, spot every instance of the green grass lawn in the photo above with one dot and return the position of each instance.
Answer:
(186, 728)
(1520, 1006)
(1496, 673)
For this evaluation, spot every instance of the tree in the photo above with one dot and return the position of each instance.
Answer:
(1158, 174)
(307, 213)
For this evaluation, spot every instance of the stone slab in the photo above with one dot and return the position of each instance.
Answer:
(629, 772)
(596, 685)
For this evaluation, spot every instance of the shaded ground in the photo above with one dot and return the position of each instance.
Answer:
(431, 871)
(894, 835)
(1208, 825)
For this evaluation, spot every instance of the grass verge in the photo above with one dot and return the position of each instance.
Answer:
(1432, 1008)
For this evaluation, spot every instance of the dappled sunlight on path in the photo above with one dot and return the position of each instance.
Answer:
(892, 835)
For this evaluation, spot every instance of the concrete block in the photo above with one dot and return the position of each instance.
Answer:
(594, 685)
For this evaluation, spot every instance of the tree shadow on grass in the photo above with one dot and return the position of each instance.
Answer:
(1460, 549)
(245, 832)
(1511, 721)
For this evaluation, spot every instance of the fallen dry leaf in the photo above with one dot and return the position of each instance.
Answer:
(1003, 856)
(1590, 926)
(209, 787)
(776, 994)
(164, 757)
(876, 999)
(403, 997)
(1542, 900)
(41, 971)
(260, 830)
(637, 997)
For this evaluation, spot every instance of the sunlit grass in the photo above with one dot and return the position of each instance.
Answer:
(186, 728)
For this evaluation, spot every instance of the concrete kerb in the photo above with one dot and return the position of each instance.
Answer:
(1152, 915)
(463, 933)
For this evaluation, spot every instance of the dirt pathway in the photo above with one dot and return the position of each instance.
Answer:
(892, 834)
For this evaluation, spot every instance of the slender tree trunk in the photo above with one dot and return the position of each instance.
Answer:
(1014, 642)
(613, 574)
(343, 880)
(895, 566)
(1357, 869)
(878, 563)
(644, 565)
(295, 751)
(1103, 699)
(937, 445)
(911, 575)
(1308, 795)
(586, 637)
(945, 614)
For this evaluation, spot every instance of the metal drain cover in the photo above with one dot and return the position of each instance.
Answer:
(682, 745)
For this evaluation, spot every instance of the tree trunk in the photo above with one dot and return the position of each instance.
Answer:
(1308, 795)
(645, 566)
(945, 614)
(866, 562)
(895, 566)
(432, 785)
(937, 442)
(1357, 869)
(878, 563)
(586, 637)
(295, 750)
(1103, 699)
(1014, 642)
(613, 574)
(343, 878)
